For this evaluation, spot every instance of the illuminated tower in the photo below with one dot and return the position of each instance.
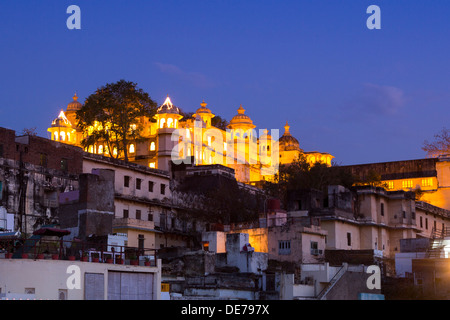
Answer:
(289, 146)
(167, 117)
(205, 114)
(242, 147)
(62, 129)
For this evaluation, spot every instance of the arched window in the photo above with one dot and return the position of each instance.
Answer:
(55, 136)
(132, 148)
(162, 123)
(169, 123)
(100, 149)
(63, 136)
(68, 136)
(152, 146)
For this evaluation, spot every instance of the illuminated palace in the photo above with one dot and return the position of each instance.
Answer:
(170, 136)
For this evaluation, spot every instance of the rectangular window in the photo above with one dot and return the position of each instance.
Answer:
(138, 183)
(426, 223)
(163, 188)
(427, 182)
(404, 214)
(126, 181)
(390, 184)
(125, 213)
(64, 165)
(349, 239)
(141, 240)
(43, 160)
(413, 215)
(150, 186)
(284, 247)
(421, 222)
(138, 214)
(314, 248)
(150, 217)
(406, 184)
(382, 209)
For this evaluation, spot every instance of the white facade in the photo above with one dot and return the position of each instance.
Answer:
(75, 280)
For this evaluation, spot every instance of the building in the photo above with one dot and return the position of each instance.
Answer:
(77, 280)
(369, 223)
(143, 206)
(34, 171)
(171, 136)
(428, 177)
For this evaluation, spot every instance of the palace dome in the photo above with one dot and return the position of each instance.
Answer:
(287, 141)
(203, 109)
(241, 120)
(74, 105)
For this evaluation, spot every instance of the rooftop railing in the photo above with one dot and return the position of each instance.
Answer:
(77, 251)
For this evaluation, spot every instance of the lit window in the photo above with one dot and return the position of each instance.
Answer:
(169, 123)
(115, 151)
(55, 136)
(407, 184)
(152, 165)
(68, 136)
(63, 136)
(152, 146)
(91, 149)
(427, 182)
(162, 122)
(132, 148)
(224, 146)
(100, 149)
(390, 184)
(175, 124)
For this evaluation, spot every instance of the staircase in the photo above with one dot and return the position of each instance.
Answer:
(437, 242)
(332, 282)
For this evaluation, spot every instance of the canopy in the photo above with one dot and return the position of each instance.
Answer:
(47, 231)
(9, 235)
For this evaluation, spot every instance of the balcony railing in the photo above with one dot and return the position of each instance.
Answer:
(78, 250)
(129, 222)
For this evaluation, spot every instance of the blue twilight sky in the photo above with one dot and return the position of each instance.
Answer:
(362, 95)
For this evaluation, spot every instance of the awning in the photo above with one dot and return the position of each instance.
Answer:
(9, 235)
(46, 231)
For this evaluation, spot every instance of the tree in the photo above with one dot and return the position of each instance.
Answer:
(219, 122)
(115, 115)
(440, 145)
(301, 175)
(29, 131)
